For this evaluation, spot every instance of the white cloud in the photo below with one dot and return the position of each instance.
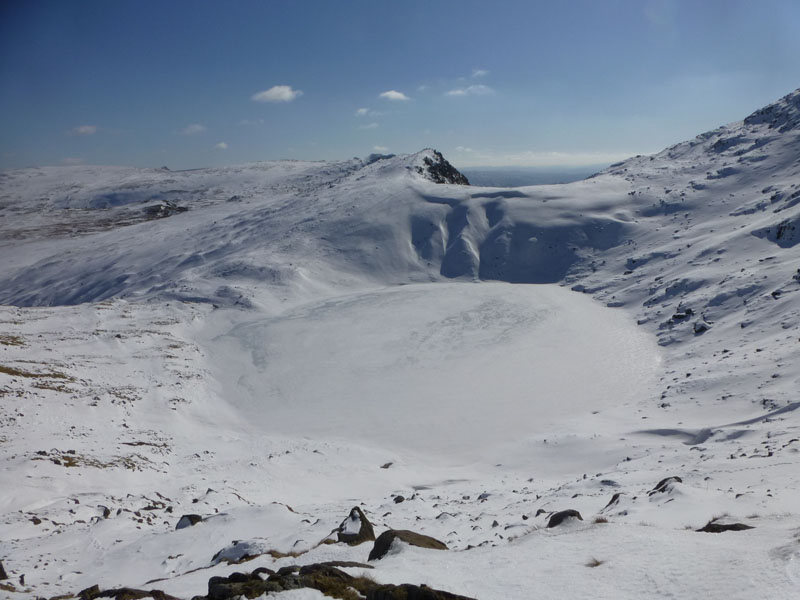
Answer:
(193, 129)
(472, 90)
(251, 122)
(368, 126)
(71, 161)
(84, 130)
(221, 146)
(464, 149)
(479, 72)
(362, 112)
(380, 148)
(277, 93)
(394, 95)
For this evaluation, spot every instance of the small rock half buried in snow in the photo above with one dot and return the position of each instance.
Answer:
(558, 518)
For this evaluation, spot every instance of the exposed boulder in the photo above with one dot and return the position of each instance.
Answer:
(384, 542)
(411, 592)
(356, 528)
(188, 521)
(240, 584)
(123, 593)
(3, 574)
(559, 517)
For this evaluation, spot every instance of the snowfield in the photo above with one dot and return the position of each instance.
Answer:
(268, 346)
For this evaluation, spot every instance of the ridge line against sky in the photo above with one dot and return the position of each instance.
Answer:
(515, 83)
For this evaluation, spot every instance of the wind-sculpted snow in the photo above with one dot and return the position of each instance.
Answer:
(267, 346)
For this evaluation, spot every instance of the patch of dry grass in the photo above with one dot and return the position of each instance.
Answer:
(11, 340)
(14, 372)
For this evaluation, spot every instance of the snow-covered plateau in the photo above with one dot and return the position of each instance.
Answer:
(240, 369)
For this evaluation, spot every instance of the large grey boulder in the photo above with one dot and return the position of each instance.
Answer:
(384, 542)
(356, 528)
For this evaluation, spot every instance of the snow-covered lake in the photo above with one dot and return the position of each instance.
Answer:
(449, 370)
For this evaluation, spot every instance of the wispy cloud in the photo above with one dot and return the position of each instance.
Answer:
(479, 72)
(247, 122)
(472, 90)
(221, 146)
(529, 158)
(660, 13)
(72, 161)
(84, 130)
(394, 95)
(368, 112)
(380, 148)
(193, 129)
(277, 93)
(368, 126)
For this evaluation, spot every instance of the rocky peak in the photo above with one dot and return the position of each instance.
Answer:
(435, 167)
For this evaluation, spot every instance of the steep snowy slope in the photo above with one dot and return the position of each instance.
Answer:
(252, 344)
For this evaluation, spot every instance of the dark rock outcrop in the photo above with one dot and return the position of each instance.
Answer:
(559, 517)
(411, 592)
(123, 593)
(356, 519)
(712, 527)
(663, 485)
(384, 542)
(188, 521)
(438, 170)
(3, 574)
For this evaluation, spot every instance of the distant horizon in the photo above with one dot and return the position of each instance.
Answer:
(514, 84)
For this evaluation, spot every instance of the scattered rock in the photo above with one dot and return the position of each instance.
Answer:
(165, 209)
(3, 574)
(188, 521)
(356, 528)
(663, 485)
(384, 542)
(399, 499)
(559, 517)
(701, 327)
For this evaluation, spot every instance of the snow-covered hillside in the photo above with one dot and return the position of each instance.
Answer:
(267, 346)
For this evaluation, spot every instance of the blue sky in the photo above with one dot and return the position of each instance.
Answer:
(195, 83)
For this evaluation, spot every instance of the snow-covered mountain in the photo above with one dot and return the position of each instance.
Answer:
(253, 344)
